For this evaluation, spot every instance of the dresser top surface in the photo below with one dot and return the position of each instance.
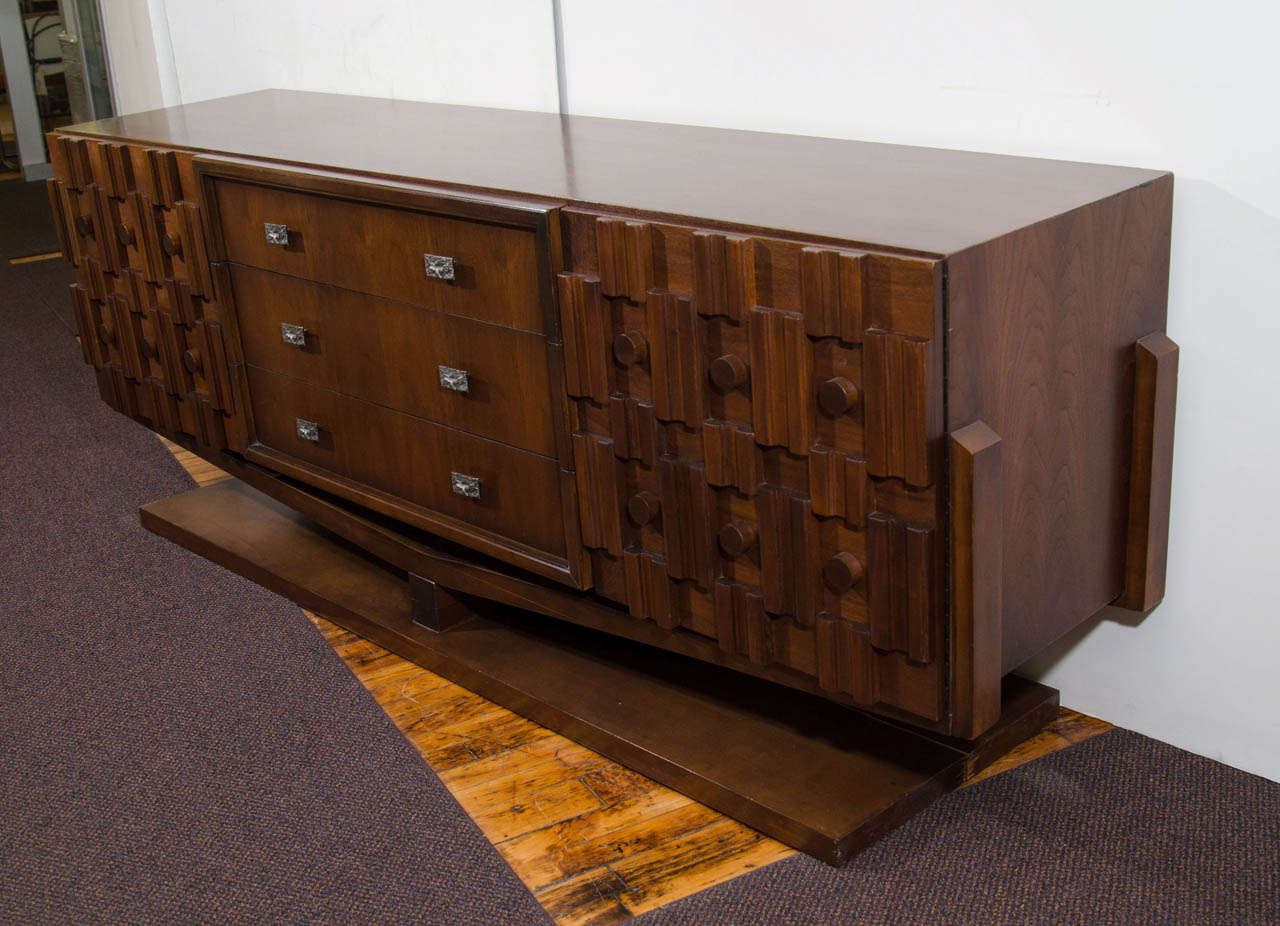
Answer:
(924, 200)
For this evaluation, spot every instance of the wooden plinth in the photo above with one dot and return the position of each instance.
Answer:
(824, 778)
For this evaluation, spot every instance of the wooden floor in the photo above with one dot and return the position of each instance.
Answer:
(594, 841)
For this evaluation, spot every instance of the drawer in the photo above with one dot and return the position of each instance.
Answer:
(392, 353)
(385, 251)
(408, 464)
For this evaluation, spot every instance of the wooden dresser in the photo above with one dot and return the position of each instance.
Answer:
(875, 422)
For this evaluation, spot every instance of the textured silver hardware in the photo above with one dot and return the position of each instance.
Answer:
(457, 380)
(464, 485)
(308, 430)
(439, 267)
(293, 334)
(277, 234)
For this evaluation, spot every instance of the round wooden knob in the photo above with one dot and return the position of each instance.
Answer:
(841, 571)
(125, 235)
(737, 537)
(630, 348)
(191, 360)
(643, 507)
(728, 372)
(148, 348)
(84, 226)
(106, 334)
(836, 396)
(171, 245)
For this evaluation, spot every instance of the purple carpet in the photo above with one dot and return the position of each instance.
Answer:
(176, 744)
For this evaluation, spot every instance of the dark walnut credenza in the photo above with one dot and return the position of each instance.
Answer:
(876, 423)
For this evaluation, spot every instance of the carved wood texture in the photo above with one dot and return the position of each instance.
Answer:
(696, 360)
(145, 306)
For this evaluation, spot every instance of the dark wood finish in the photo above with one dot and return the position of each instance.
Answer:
(925, 200)
(380, 250)
(977, 570)
(403, 465)
(785, 460)
(1042, 326)
(1155, 392)
(435, 607)
(389, 353)
(739, 746)
(722, 369)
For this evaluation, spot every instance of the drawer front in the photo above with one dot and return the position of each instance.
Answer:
(397, 253)
(517, 495)
(481, 378)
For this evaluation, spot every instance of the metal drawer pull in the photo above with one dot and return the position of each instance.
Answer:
(293, 334)
(439, 267)
(457, 380)
(464, 485)
(277, 234)
(308, 430)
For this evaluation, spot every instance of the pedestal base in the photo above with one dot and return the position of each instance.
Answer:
(815, 775)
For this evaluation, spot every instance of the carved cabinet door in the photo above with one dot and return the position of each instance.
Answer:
(757, 447)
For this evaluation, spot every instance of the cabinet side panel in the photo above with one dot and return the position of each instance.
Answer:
(1042, 324)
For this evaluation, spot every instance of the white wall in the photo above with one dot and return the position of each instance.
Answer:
(481, 52)
(1152, 84)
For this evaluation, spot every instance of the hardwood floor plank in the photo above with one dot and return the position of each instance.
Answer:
(588, 900)
(527, 812)
(546, 856)
(708, 869)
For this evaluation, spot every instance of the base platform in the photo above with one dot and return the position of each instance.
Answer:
(821, 777)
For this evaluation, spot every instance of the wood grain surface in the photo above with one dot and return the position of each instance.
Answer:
(594, 841)
(926, 200)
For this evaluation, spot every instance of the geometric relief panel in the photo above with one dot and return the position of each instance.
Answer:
(126, 216)
(744, 443)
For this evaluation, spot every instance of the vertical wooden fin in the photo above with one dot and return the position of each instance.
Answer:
(118, 169)
(976, 566)
(724, 274)
(742, 626)
(215, 367)
(141, 216)
(57, 156)
(635, 429)
(675, 358)
(845, 658)
(624, 251)
(60, 223)
(85, 327)
(896, 384)
(194, 252)
(79, 169)
(832, 287)
(648, 588)
(788, 554)
(167, 182)
(170, 344)
(127, 336)
(104, 228)
(584, 322)
(839, 486)
(182, 302)
(732, 456)
(1155, 391)
(900, 586)
(686, 520)
(781, 380)
(599, 504)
